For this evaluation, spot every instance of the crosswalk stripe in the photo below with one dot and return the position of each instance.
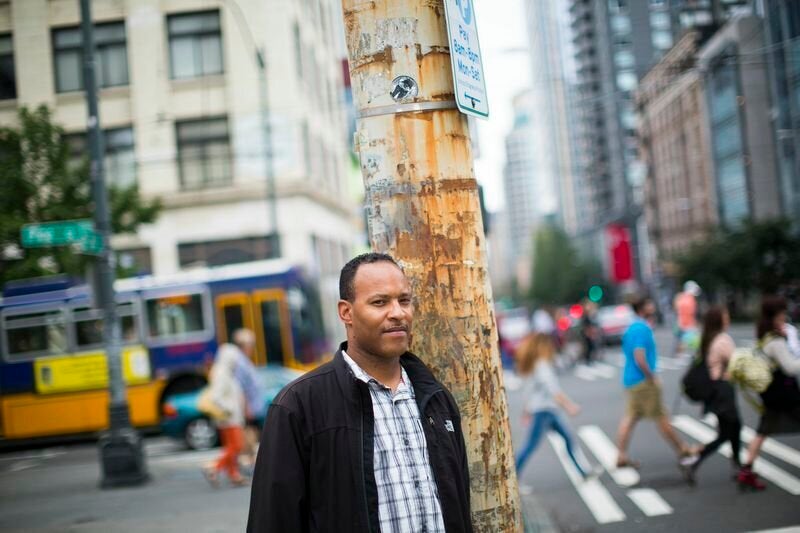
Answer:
(774, 448)
(583, 373)
(771, 446)
(602, 370)
(606, 453)
(765, 469)
(596, 497)
(650, 502)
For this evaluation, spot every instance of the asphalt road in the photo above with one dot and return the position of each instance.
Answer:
(56, 488)
(659, 500)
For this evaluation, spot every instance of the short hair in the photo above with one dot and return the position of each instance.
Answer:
(243, 336)
(639, 303)
(348, 275)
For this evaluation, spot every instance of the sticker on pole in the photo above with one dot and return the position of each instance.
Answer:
(465, 56)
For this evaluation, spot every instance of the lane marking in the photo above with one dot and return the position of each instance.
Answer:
(599, 501)
(601, 370)
(606, 453)
(23, 465)
(765, 469)
(650, 502)
(44, 454)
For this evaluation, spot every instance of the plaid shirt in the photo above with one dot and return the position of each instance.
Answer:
(408, 500)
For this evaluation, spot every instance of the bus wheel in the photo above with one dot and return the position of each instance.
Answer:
(200, 434)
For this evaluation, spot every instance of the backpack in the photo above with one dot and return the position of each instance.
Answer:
(750, 369)
(696, 382)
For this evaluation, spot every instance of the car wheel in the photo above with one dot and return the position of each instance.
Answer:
(200, 434)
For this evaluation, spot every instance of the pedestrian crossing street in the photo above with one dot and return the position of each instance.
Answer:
(602, 504)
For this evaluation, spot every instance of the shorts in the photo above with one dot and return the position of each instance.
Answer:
(644, 401)
(774, 422)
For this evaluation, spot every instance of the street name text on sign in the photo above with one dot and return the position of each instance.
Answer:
(465, 56)
(78, 232)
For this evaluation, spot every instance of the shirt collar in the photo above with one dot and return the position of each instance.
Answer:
(361, 375)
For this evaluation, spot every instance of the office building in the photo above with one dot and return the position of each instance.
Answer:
(184, 102)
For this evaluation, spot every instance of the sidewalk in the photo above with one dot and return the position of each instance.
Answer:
(63, 495)
(66, 497)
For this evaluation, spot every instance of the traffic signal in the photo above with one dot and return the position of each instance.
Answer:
(596, 293)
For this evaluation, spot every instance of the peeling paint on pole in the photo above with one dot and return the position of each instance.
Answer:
(423, 208)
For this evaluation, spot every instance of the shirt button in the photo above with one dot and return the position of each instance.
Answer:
(405, 441)
(416, 483)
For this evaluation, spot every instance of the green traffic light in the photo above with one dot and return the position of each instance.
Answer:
(596, 293)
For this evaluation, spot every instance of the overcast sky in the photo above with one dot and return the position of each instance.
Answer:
(501, 30)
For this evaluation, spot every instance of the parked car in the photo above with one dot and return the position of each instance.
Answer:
(613, 321)
(181, 419)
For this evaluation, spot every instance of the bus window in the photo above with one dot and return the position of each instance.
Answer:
(32, 334)
(271, 326)
(175, 316)
(88, 327)
(128, 322)
(305, 312)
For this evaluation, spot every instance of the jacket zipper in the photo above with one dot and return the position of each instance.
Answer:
(363, 469)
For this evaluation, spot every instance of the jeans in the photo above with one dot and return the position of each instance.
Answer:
(544, 421)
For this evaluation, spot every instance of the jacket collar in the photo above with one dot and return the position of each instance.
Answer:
(425, 385)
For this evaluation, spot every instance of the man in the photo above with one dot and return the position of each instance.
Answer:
(642, 386)
(247, 376)
(369, 441)
(687, 337)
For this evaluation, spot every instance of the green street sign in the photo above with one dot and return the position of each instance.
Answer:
(92, 244)
(78, 232)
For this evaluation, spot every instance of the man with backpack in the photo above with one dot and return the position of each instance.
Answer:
(642, 386)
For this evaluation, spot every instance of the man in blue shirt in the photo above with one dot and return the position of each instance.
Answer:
(642, 386)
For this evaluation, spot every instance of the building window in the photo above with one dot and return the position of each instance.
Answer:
(204, 153)
(195, 44)
(298, 52)
(621, 24)
(225, 252)
(659, 20)
(135, 261)
(8, 84)
(119, 160)
(111, 69)
(624, 59)
(626, 80)
(662, 39)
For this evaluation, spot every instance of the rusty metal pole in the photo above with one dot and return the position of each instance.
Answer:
(423, 208)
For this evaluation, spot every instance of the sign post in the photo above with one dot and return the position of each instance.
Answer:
(465, 58)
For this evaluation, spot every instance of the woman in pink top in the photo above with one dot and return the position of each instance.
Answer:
(716, 348)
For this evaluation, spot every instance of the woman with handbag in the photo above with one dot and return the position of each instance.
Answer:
(781, 400)
(716, 349)
(226, 394)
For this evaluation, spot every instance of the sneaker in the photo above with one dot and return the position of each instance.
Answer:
(595, 472)
(689, 460)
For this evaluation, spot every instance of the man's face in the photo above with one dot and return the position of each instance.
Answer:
(649, 311)
(379, 318)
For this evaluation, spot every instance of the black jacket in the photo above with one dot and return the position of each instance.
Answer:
(315, 465)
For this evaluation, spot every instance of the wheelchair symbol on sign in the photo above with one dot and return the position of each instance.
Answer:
(465, 8)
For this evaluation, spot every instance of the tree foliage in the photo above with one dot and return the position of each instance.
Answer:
(762, 256)
(40, 184)
(560, 274)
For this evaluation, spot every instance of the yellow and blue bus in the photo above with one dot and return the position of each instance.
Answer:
(53, 369)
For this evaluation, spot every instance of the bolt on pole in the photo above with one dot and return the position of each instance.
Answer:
(120, 448)
(423, 207)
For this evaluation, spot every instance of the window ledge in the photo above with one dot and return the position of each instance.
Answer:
(105, 92)
(200, 82)
(10, 103)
